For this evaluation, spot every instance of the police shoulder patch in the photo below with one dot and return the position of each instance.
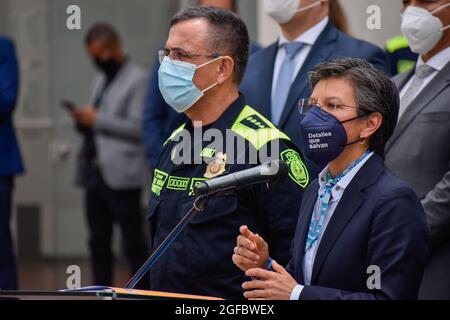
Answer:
(255, 122)
(297, 169)
(255, 128)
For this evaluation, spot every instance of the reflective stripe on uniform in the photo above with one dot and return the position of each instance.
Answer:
(175, 133)
(396, 43)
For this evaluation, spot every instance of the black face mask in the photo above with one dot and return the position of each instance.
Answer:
(110, 67)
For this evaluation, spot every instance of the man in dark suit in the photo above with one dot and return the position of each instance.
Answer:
(361, 232)
(10, 160)
(274, 82)
(419, 151)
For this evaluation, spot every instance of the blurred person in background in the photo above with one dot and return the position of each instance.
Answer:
(400, 55)
(419, 151)
(159, 118)
(111, 164)
(10, 160)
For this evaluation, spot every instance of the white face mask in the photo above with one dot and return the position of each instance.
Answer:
(282, 11)
(422, 29)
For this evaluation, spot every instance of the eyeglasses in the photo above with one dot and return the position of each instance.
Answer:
(181, 55)
(305, 105)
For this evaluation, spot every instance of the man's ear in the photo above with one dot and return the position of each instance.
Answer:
(226, 68)
(372, 124)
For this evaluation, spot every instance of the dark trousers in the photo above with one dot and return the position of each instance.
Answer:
(104, 207)
(8, 273)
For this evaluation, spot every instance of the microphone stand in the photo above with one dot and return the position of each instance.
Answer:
(198, 206)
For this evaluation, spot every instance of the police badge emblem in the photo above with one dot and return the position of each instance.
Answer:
(217, 167)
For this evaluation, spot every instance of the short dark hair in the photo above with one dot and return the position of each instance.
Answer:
(102, 32)
(233, 5)
(228, 34)
(374, 92)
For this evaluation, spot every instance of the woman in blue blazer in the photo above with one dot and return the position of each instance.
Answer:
(361, 232)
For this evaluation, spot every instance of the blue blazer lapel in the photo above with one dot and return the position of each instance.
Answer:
(348, 206)
(306, 212)
(321, 51)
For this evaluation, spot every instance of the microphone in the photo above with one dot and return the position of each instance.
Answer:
(271, 171)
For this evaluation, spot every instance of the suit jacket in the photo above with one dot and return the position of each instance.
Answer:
(11, 161)
(331, 44)
(118, 129)
(378, 222)
(419, 153)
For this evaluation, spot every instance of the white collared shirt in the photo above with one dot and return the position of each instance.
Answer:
(438, 62)
(337, 192)
(308, 37)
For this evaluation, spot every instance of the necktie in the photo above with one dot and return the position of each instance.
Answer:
(420, 74)
(284, 81)
(325, 198)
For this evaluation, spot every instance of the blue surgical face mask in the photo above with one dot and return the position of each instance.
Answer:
(176, 83)
(323, 136)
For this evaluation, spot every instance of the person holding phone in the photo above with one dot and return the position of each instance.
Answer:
(111, 164)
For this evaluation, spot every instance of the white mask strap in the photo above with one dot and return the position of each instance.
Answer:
(312, 5)
(206, 63)
(440, 8)
(210, 87)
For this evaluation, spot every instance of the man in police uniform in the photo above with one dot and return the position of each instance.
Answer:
(201, 68)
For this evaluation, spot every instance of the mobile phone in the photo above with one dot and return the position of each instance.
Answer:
(69, 106)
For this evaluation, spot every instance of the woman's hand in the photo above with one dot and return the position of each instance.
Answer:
(268, 285)
(251, 250)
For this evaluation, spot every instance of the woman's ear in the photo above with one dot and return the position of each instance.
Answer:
(372, 124)
(226, 68)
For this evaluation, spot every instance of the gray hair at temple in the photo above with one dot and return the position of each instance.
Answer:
(374, 92)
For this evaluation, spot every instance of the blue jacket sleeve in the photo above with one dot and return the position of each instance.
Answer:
(155, 115)
(379, 59)
(9, 77)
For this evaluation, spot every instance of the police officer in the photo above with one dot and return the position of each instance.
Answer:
(201, 68)
(400, 55)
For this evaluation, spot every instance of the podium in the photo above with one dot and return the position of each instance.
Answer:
(99, 293)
